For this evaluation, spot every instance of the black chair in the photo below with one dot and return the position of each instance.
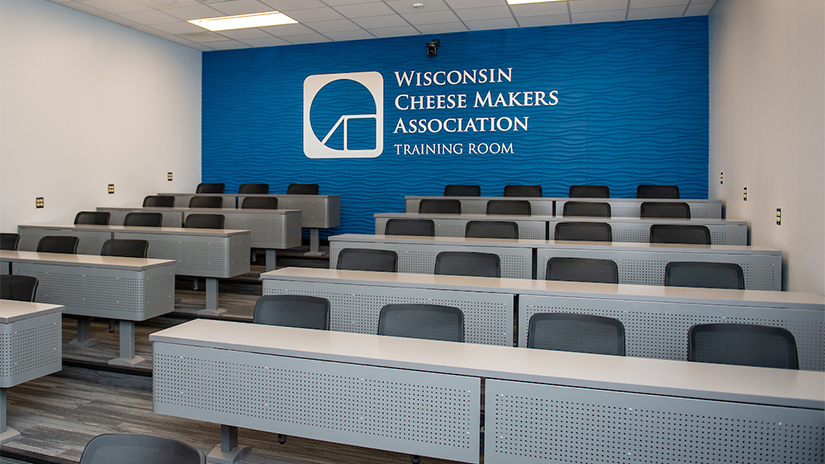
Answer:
(462, 190)
(365, 259)
(18, 287)
(589, 191)
(126, 248)
(143, 219)
(586, 209)
(581, 333)
(657, 191)
(417, 227)
(691, 235)
(491, 229)
(522, 190)
(585, 231)
(704, 275)
(92, 217)
(9, 241)
(468, 263)
(653, 209)
(302, 311)
(58, 244)
(302, 189)
(159, 201)
(439, 206)
(259, 203)
(210, 188)
(582, 270)
(742, 344)
(139, 449)
(204, 221)
(259, 189)
(432, 322)
(509, 207)
(200, 201)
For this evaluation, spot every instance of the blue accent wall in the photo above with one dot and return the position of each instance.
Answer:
(617, 104)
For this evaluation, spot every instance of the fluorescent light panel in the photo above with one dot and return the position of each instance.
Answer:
(522, 2)
(225, 23)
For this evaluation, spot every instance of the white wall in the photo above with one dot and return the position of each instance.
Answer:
(85, 103)
(767, 127)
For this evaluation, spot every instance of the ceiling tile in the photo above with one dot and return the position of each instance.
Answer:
(240, 7)
(150, 17)
(441, 28)
(586, 6)
(202, 37)
(193, 12)
(658, 3)
(282, 5)
(314, 14)
(661, 12)
(119, 20)
(336, 3)
(539, 9)
(115, 6)
(406, 6)
(333, 26)
(244, 34)
(287, 30)
(363, 10)
(349, 35)
(493, 12)
(458, 4)
(435, 17)
(162, 6)
(307, 38)
(227, 45)
(268, 42)
(497, 23)
(395, 31)
(178, 28)
(381, 21)
(543, 20)
(85, 8)
(698, 9)
(599, 16)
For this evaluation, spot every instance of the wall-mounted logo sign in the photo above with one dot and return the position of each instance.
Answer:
(344, 115)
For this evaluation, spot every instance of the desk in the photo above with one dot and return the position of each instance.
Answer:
(632, 207)
(125, 289)
(274, 229)
(417, 254)
(635, 230)
(453, 225)
(209, 253)
(422, 397)
(539, 206)
(30, 347)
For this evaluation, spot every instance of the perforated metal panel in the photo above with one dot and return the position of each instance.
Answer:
(488, 317)
(90, 242)
(720, 234)
(631, 207)
(30, 348)
(272, 231)
(410, 412)
(658, 329)
(533, 423)
(455, 227)
(170, 218)
(647, 267)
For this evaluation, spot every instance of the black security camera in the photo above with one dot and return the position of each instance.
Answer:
(432, 47)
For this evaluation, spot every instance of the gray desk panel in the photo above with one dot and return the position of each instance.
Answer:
(478, 205)
(171, 217)
(90, 243)
(631, 207)
(635, 230)
(182, 199)
(448, 225)
(30, 344)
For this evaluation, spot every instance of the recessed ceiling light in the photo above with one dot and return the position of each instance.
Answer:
(418, 5)
(522, 2)
(225, 23)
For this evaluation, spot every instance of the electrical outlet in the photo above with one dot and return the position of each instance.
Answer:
(721, 177)
(168, 176)
(39, 203)
(111, 188)
(779, 216)
(745, 194)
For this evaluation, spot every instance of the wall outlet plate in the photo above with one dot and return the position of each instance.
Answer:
(111, 188)
(745, 194)
(779, 216)
(39, 203)
(168, 176)
(721, 177)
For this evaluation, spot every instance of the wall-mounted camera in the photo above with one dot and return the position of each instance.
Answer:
(432, 47)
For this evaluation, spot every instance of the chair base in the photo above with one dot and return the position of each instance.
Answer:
(212, 312)
(9, 435)
(76, 343)
(216, 456)
(127, 362)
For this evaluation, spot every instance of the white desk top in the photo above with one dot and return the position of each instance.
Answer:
(748, 298)
(224, 211)
(95, 261)
(755, 385)
(467, 217)
(290, 195)
(615, 220)
(13, 311)
(629, 200)
(145, 230)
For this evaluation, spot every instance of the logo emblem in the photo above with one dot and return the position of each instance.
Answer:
(344, 115)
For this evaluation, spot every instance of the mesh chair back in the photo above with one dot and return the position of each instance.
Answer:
(704, 275)
(432, 322)
(491, 229)
(589, 191)
(126, 248)
(58, 244)
(160, 201)
(439, 206)
(139, 449)
(9, 241)
(205, 202)
(576, 332)
(667, 233)
(302, 189)
(260, 189)
(509, 207)
(522, 190)
(364, 259)
(587, 231)
(204, 221)
(143, 219)
(657, 191)
(100, 218)
(302, 311)
(652, 209)
(259, 203)
(602, 271)
(586, 209)
(742, 344)
(210, 188)
(18, 287)
(468, 263)
(462, 191)
(417, 227)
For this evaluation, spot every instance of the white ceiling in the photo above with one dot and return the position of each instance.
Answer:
(339, 20)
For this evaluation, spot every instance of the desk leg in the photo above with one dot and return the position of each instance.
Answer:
(314, 243)
(271, 260)
(211, 299)
(6, 434)
(84, 334)
(127, 346)
(229, 452)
